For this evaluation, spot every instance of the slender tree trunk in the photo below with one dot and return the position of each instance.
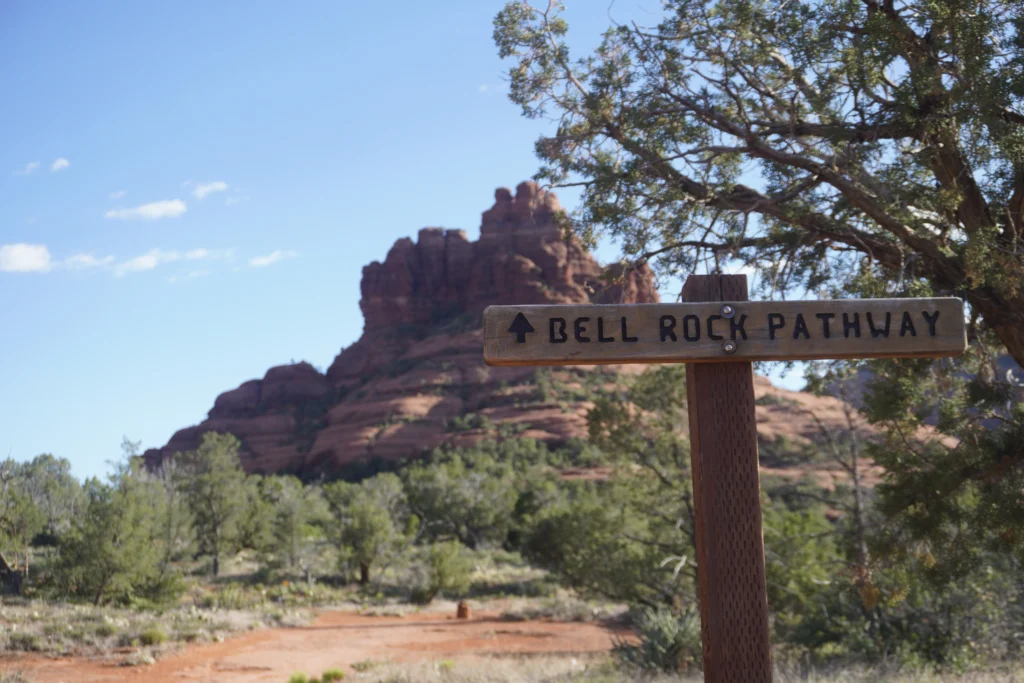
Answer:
(99, 593)
(216, 565)
(858, 504)
(364, 573)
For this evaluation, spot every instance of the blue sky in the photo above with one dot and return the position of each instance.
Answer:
(189, 191)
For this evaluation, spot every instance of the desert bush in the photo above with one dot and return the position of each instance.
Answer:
(154, 635)
(365, 665)
(27, 642)
(448, 569)
(667, 642)
(138, 658)
(331, 675)
(13, 677)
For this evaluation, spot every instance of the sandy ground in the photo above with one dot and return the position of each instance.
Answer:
(334, 639)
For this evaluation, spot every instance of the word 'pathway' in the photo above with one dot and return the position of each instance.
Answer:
(723, 331)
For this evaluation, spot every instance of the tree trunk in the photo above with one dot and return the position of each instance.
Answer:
(1012, 336)
(99, 593)
(216, 565)
(364, 573)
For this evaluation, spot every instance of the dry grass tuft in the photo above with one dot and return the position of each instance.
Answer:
(67, 629)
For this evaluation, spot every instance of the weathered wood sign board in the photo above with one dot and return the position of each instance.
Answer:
(723, 331)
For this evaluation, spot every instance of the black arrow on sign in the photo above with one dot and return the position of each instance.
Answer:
(519, 327)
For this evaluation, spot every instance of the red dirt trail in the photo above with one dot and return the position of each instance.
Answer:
(334, 639)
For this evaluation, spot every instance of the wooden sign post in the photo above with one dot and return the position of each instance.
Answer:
(717, 332)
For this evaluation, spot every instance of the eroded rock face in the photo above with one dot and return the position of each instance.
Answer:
(416, 380)
(521, 258)
(418, 365)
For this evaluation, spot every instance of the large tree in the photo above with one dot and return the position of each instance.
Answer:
(841, 147)
(874, 145)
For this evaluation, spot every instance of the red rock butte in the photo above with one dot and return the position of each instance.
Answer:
(418, 365)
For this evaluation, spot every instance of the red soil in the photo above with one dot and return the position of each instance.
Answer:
(334, 639)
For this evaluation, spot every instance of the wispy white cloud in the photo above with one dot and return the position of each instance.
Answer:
(86, 261)
(191, 275)
(30, 167)
(271, 258)
(36, 258)
(148, 261)
(117, 194)
(59, 164)
(236, 196)
(24, 258)
(168, 208)
(155, 257)
(203, 189)
(209, 254)
(483, 88)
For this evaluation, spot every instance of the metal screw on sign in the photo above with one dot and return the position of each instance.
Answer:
(729, 346)
(728, 312)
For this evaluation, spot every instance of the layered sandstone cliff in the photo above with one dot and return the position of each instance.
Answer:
(418, 365)
(416, 380)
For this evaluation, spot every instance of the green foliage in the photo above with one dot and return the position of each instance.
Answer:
(297, 513)
(365, 665)
(465, 495)
(299, 677)
(481, 495)
(669, 130)
(20, 519)
(447, 569)
(154, 635)
(802, 563)
(214, 485)
(114, 549)
(886, 146)
(667, 642)
(370, 519)
(53, 491)
(630, 538)
(176, 523)
(469, 422)
(330, 675)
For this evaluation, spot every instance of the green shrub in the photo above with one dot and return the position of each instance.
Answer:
(28, 642)
(448, 571)
(332, 675)
(365, 665)
(299, 677)
(667, 642)
(105, 630)
(154, 635)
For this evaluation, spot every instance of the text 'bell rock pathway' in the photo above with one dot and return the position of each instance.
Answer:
(723, 331)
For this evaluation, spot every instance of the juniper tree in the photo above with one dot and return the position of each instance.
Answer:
(369, 520)
(214, 485)
(844, 147)
(823, 140)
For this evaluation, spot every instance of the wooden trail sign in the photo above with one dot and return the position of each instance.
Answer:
(712, 332)
(717, 332)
